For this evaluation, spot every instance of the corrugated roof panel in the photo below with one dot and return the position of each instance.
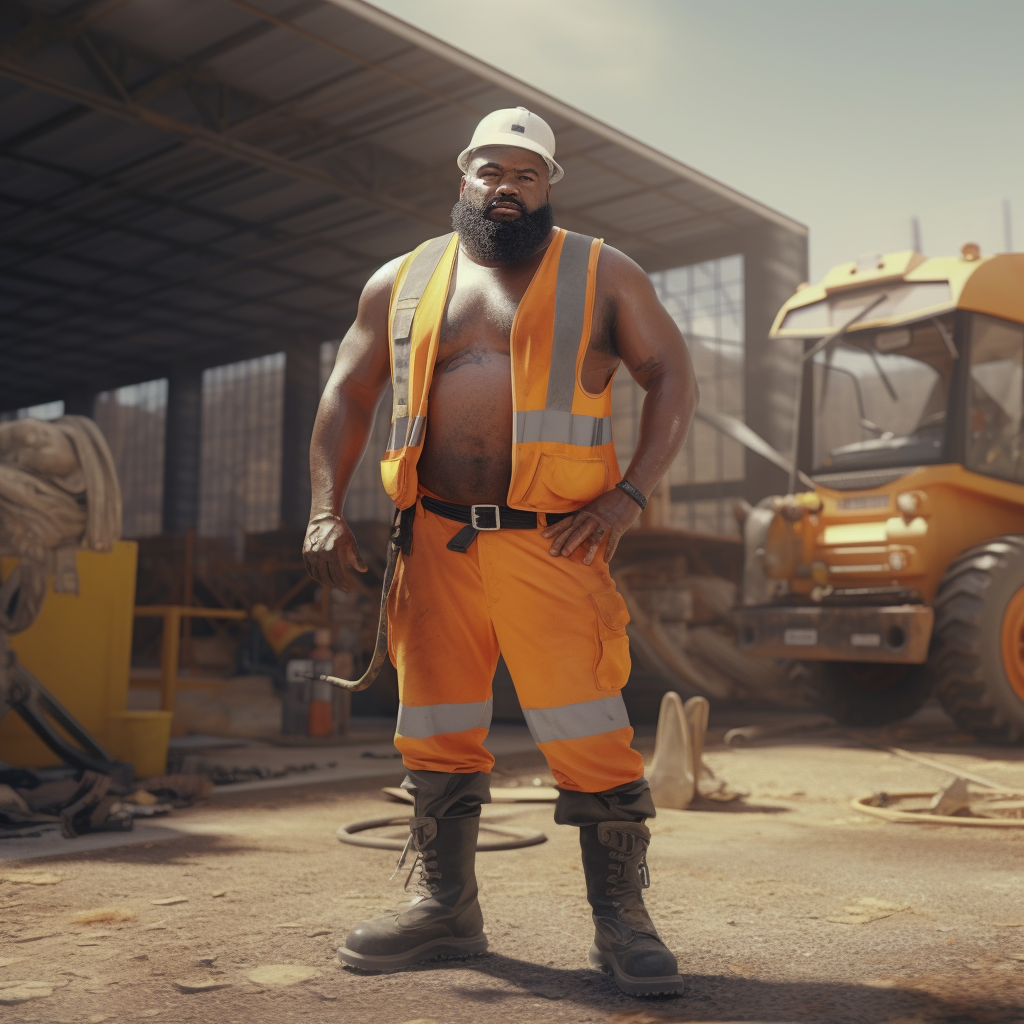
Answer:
(260, 172)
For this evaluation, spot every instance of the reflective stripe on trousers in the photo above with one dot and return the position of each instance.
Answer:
(569, 722)
(439, 719)
(561, 628)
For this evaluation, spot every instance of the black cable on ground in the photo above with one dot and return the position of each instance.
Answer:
(508, 838)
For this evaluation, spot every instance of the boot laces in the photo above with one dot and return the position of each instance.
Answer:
(426, 860)
(624, 888)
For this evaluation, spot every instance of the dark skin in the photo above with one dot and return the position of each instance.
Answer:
(467, 451)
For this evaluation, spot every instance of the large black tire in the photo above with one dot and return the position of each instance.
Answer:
(966, 657)
(863, 693)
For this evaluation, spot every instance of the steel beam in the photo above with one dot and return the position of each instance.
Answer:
(224, 145)
(774, 263)
(182, 449)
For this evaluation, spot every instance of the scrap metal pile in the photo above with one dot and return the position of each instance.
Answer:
(58, 494)
(681, 589)
(31, 802)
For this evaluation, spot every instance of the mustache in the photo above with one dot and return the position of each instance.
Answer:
(506, 200)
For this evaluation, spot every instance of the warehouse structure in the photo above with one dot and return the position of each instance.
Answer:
(193, 193)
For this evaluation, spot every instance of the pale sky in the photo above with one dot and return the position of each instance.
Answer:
(850, 117)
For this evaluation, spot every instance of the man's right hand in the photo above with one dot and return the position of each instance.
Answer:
(330, 550)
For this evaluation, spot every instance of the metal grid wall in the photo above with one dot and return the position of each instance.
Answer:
(240, 457)
(46, 411)
(134, 420)
(706, 301)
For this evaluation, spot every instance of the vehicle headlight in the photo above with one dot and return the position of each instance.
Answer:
(908, 503)
(897, 561)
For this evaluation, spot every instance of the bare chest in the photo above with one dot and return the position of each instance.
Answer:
(480, 313)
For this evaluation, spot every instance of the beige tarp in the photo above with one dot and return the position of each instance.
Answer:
(58, 493)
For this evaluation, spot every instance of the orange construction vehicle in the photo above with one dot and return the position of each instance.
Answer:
(894, 568)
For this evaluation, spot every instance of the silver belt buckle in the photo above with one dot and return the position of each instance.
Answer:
(474, 522)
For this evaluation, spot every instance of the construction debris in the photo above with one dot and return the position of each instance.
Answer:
(87, 801)
(15, 992)
(749, 733)
(32, 877)
(200, 985)
(105, 915)
(674, 769)
(677, 773)
(680, 589)
(954, 805)
(951, 800)
(866, 910)
(282, 975)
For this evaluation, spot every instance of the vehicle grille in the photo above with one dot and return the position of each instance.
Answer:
(862, 480)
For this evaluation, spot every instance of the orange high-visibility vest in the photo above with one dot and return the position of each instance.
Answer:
(562, 450)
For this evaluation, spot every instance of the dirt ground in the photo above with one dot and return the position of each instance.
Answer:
(743, 893)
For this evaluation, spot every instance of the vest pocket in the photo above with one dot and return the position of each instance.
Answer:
(561, 481)
(611, 669)
(393, 475)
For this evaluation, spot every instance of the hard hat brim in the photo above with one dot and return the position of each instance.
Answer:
(555, 171)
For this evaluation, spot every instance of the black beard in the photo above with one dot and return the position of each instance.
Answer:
(501, 241)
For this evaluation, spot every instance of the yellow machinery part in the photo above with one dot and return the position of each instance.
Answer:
(79, 648)
(958, 509)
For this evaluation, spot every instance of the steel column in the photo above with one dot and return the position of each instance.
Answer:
(181, 451)
(774, 263)
(301, 398)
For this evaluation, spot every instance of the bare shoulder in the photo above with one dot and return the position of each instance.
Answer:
(619, 276)
(378, 288)
(375, 301)
(623, 291)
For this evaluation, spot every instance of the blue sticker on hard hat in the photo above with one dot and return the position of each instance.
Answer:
(519, 128)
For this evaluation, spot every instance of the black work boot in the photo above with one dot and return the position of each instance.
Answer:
(444, 920)
(625, 940)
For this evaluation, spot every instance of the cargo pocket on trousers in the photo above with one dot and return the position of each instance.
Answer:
(612, 665)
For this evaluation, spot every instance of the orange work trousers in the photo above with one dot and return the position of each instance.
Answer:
(561, 627)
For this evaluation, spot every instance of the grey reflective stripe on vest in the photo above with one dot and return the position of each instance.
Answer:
(574, 721)
(400, 431)
(420, 723)
(563, 427)
(570, 306)
(416, 280)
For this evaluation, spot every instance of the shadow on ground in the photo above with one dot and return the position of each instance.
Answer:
(724, 998)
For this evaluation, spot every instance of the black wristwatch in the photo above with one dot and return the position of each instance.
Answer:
(634, 492)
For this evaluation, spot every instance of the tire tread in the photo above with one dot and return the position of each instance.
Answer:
(955, 658)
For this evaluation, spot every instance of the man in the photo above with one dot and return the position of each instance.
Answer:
(509, 332)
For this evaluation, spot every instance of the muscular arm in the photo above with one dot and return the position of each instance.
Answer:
(653, 351)
(647, 340)
(342, 426)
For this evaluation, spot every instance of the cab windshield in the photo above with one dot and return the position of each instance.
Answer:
(880, 397)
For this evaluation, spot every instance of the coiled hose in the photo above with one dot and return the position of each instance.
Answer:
(380, 649)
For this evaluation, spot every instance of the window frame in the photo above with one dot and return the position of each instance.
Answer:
(967, 360)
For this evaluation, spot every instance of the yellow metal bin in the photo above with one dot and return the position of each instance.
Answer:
(79, 648)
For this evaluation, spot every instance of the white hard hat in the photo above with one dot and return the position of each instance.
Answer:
(515, 126)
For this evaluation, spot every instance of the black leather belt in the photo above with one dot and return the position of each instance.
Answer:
(484, 518)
